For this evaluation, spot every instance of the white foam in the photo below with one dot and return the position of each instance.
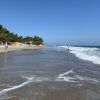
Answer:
(29, 80)
(85, 53)
(75, 78)
(65, 76)
(66, 73)
(87, 79)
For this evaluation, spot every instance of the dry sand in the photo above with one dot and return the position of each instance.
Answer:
(18, 46)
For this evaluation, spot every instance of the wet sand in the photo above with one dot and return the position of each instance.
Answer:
(56, 91)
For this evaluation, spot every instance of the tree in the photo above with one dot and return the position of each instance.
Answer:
(37, 40)
(6, 35)
(0, 26)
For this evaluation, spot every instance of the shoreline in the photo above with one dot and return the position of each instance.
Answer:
(18, 47)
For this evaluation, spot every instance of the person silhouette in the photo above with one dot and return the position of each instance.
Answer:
(68, 48)
(6, 46)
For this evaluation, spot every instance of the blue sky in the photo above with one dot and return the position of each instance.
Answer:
(74, 22)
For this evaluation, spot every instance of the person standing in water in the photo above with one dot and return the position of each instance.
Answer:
(68, 48)
(6, 46)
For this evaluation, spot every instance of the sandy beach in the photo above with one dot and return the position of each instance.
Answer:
(18, 46)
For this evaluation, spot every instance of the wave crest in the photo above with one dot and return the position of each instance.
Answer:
(86, 53)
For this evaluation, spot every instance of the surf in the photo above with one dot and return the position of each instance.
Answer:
(29, 79)
(72, 76)
(86, 53)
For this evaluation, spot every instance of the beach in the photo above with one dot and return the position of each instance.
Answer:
(48, 73)
(18, 46)
(49, 49)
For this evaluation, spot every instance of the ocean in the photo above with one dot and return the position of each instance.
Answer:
(51, 73)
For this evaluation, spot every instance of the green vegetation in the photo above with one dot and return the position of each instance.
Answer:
(6, 35)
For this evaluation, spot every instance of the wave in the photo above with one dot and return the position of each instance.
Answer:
(28, 81)
(71, 76)
(65, 77)
(86, 53)
(81, 78)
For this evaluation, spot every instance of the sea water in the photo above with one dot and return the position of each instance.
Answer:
(51, 73)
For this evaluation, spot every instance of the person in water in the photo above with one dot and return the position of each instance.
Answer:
(6, 46)
(68, 48)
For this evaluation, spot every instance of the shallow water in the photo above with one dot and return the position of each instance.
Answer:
(50, 73)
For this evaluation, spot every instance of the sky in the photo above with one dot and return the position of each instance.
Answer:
(58, 22)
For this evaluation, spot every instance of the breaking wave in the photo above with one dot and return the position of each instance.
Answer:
(86, 53)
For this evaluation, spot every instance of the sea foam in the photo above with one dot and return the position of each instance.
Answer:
(65, 77)
(29, 80)
(86, 53)
(71, 76)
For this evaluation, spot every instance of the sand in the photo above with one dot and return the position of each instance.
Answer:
(18, 46)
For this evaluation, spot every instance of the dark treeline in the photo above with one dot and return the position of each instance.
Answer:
(7, 36)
